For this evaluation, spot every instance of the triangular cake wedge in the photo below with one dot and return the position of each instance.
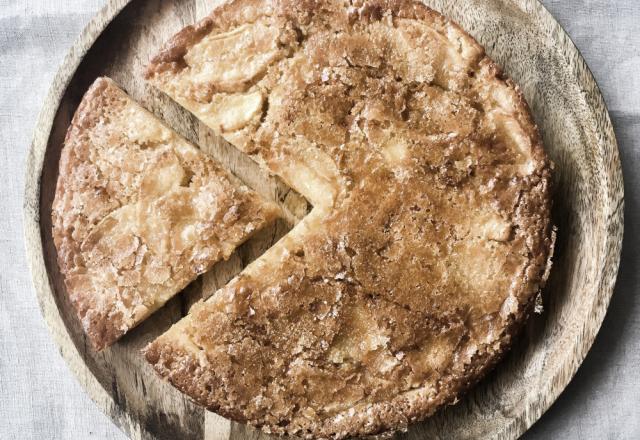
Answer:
(139, 213)
(430, 234)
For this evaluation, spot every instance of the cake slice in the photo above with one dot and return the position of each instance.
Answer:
(139, 213)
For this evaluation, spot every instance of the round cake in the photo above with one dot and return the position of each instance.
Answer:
(430, 233)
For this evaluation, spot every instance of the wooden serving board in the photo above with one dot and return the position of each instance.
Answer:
(521, 36)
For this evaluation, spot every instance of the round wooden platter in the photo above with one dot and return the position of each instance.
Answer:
(534, 50)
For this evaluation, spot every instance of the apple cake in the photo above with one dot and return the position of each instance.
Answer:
(430, 233)
(139, 213)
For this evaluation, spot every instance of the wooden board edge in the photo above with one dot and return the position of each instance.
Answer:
(549, 392)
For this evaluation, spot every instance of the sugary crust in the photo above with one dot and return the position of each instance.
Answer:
(127, 186)
(381, 420)
(431, 192)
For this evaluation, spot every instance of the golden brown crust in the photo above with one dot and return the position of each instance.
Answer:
(431, 226)
(139, 213)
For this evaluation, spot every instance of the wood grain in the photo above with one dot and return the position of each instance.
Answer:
(521, 36)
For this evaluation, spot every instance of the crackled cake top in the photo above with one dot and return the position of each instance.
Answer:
(430, 231)
(139, 213)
